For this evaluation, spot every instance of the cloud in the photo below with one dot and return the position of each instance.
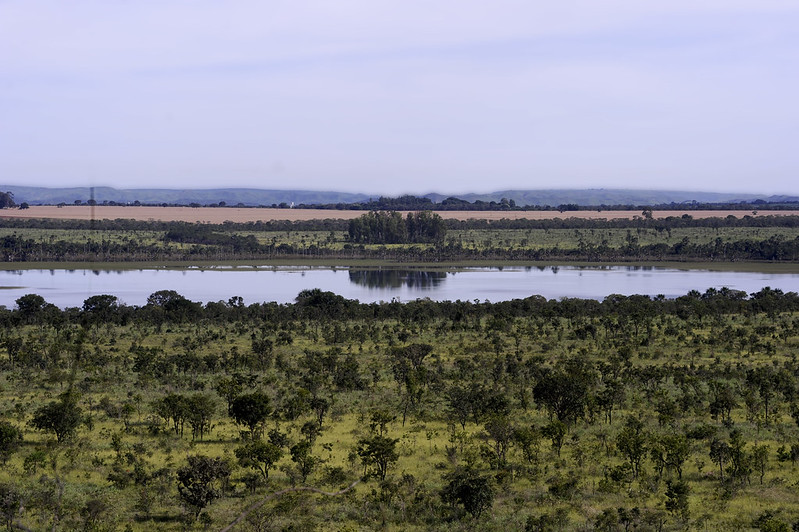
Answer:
(400, 96)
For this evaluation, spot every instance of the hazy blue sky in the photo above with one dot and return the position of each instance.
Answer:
(401, 96)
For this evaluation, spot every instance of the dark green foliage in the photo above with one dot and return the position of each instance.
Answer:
(100, 309)
(11, 500)
(500, 432)
(61, 417)
(175, 408)
(470, 489)
(34, 461)
(6, 200)
(10, 440)
(381, 227)
(229, 388)
(30, 305)
(564, 392)
(669, 451)
(377, 453)
(527, 439)
(199, 481)
(563, 487)
(347, 374)
(251, 410)
(632, 442)
(316, 303)
(677, 498)
(556, 432)
(170, 306)
(548, 522)
(259, 455)
(201, 409)
(768, 522)
(306, 462)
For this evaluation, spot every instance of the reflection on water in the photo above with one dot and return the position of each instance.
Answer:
(70, 288)
(391, 278)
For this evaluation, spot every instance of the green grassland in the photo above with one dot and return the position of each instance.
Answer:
(675, 363)
(478, 239)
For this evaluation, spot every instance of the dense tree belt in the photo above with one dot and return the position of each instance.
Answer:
(415, 203)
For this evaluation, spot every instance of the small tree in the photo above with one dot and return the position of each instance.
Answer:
(528, 439)
(500, 431)
(306, 462)
(468, 488)
(229, 388)
(174, 407)
(10, 504)
(251, 410)
(61, 417)
(720, 453)
(556, 432)
(378, 452)
(200, 411)
(632, 442)
(259, 455)
(199, 479)
(760, 460)
(677, 498)
(10, 440)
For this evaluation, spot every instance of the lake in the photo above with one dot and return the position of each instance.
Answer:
(69, 288)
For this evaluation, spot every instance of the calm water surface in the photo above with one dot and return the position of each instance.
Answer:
(69, 288)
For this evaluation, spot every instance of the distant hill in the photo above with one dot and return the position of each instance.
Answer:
(602, 196)
(256, 197)
(231, 196)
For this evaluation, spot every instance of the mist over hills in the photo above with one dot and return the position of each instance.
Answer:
(269, 197)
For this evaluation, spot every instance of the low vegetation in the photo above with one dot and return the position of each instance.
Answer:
(630, 413)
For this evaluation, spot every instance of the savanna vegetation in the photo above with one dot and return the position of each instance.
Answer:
(632, 413)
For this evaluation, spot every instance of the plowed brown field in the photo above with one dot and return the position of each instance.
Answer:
(217, 215)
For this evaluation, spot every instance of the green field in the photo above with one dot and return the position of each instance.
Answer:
(471, 239)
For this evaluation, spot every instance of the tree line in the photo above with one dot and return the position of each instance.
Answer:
(168, 306)
(389, 227)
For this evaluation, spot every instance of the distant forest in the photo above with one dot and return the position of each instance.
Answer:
(561, 200)
(415, 203)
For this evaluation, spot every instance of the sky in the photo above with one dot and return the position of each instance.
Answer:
(406, 96)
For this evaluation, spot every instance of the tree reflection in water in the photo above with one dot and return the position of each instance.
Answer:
(392, 278)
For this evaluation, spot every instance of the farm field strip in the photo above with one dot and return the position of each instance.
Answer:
(469, 238)
(217, 215)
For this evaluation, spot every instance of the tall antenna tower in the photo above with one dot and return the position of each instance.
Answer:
(92, 203)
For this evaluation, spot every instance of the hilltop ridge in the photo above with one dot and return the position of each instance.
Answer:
(272, 197)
